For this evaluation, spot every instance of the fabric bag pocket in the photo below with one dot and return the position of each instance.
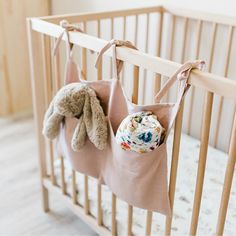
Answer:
(138, 179)
(89, 160)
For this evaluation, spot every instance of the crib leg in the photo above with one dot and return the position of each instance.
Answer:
(38, 94)
(45, 199)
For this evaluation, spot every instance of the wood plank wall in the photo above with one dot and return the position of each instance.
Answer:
(15, 89)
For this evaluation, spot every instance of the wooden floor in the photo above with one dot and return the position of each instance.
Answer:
(20, 204)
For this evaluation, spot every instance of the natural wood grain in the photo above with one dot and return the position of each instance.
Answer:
(38, 93)
(113, 218)
(196, 55)
(130, 220)
(229, 173)
(211, 82)
(148, 223)
(174, 165)
(205, 131)
(15, 89)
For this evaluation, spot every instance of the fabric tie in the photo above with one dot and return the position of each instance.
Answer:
(115, 43)
(182, 74)
(67, 27)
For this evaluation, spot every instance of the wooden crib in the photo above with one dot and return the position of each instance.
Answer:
(165, 36)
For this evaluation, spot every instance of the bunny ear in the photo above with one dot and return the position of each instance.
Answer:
(51, 123)
(95, 122)
(79, 135)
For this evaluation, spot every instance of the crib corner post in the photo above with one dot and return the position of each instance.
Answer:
(35, 60)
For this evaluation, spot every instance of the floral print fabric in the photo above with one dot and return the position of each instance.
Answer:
(140, 132)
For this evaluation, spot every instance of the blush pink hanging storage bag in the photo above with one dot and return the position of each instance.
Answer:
(88, 160)
(141, 179)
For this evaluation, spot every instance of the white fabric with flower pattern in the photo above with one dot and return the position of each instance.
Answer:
(140, 132)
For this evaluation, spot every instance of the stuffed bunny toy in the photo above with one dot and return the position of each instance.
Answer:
(80, 101)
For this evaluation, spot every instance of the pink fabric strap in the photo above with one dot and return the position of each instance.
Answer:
(116, 64)
(182, 74)
(67, 27)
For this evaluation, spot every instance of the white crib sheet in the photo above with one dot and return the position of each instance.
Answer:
(186, 178)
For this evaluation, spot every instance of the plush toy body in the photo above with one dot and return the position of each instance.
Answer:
(80, 101)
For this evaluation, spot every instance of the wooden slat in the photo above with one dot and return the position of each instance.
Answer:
(232, 122)
(74, 187)
(63, 182)
(112, 28)
(203, 80)
(113, 216)
(46, 69)
(122, 76)
(146, 51)
(148, 223)
(86, 195)
(174, 165)
(111, 37)
(205, 130)
(183, 49)
(99, 204)
(157, 80)
(171, 48)
(196, 55)
(136, 68)
(51, 161)
(76, 209)
(135, 84)
(136, 30)
(99, 187)
(227, 182)
(176, 141)
(130, 220)
(226, 70)
(202, 161)
(84, 55)
(124, 27)
(54, 84)
(134, 100)
(185, 32)
(36, 59)
(48, 91)
(99, 69)
(57, 71)
(172, 37)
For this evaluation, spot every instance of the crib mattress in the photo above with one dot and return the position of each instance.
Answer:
(184, 195)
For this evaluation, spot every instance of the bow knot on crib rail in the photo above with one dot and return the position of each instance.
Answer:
(70, 27)
(115, 43)
(67, 27)
(184, 74)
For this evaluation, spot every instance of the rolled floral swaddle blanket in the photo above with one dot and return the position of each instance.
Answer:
(140, 132)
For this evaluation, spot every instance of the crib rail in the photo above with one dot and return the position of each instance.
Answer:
(212, 83)
(47, 79)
